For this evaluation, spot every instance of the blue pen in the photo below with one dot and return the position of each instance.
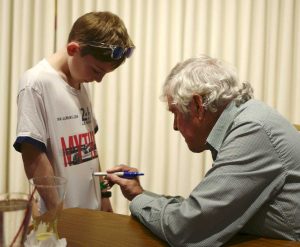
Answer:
(125, 174)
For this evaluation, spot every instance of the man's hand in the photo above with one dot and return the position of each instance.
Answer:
(130, 187)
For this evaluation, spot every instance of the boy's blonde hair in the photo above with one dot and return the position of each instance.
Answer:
(100, 27)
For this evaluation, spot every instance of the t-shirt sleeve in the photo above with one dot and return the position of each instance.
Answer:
(32, 124)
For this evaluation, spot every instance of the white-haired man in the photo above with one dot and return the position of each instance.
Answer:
(254, 183)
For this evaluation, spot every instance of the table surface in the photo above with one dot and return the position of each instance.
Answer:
(84, 227)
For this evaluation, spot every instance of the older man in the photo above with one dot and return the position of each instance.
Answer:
(254, 183)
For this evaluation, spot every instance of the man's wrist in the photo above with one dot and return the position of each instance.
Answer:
(137, 192)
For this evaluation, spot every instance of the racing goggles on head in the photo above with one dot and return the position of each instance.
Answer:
(117, 52)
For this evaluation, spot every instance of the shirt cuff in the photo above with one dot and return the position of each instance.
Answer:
(140, 201)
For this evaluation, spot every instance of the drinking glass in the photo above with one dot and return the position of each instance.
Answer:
(15, 213)
(48, 195)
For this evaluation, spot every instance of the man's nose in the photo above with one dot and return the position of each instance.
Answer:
(175, 126)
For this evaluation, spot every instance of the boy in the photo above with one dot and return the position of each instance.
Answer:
(56, 126)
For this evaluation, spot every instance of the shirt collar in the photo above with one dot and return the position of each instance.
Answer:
(218, 133)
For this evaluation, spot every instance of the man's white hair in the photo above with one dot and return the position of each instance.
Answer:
(213, 79)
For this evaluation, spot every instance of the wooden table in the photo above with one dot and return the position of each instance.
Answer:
(89, 228)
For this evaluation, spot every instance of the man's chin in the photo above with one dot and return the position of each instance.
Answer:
(195, 149)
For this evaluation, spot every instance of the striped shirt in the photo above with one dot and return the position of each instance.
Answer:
(253, 186)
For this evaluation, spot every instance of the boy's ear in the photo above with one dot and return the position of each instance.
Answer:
(73, 48)
(198, 106)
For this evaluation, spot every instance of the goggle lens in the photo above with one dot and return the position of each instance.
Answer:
(117, 52)
(128, 52)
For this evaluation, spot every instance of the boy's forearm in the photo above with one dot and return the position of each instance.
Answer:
(36, 162)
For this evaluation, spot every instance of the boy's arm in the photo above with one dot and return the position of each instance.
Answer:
(106, 205)
(36, 162)
(105, 201)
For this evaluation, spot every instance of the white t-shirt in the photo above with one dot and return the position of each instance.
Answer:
(59, 120)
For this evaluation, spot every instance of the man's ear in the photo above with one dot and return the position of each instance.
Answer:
(73, 48)
(198, 106)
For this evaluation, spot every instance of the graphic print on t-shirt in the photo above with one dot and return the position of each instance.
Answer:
(85, 115)
(78, 148)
